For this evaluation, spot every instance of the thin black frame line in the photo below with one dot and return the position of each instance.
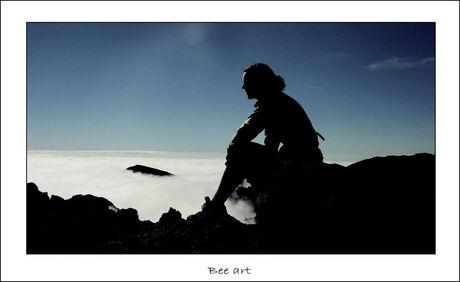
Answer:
(223, 22)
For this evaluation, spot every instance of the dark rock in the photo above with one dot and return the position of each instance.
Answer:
(172, 216)
(376, 206)
(128, 215)
(394, 198)
(149, 170)
(82, 224)
(127, 219)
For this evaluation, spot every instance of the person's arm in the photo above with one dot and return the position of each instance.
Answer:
(248, 130)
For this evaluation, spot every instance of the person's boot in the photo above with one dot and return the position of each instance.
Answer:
(210, 211)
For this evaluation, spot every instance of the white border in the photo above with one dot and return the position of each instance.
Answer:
(15, 265)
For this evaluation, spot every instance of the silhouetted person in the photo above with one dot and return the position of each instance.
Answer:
(284, 121)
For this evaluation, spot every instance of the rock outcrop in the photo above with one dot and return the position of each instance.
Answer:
(89, 224)
(383, 205)
(149, 170)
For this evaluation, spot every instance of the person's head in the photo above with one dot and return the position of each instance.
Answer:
(259, 81)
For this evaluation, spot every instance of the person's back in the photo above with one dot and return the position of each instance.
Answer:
(289, 125)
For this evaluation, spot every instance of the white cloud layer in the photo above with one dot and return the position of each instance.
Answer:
(67, 173)
(401, 63)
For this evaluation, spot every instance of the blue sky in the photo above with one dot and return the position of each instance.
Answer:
(368, 88)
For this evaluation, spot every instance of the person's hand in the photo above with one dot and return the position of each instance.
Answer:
(207, 203)
(233, 149)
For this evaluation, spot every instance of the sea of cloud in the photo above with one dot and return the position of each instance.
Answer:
(104, 174)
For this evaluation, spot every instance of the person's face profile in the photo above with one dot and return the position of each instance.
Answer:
(248, 86)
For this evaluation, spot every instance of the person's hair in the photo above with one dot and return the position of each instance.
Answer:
(263, 73)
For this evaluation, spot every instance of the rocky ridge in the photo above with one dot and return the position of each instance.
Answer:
(383, 205)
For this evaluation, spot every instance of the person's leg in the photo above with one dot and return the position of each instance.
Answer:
(250, 160)
(240, 164)
(231, 178)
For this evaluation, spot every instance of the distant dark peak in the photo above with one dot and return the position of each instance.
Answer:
(149, 170)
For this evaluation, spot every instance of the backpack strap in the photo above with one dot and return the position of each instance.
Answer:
(320, 136)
